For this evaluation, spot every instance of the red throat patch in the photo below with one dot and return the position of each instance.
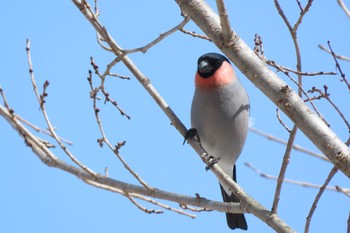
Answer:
(223, 76)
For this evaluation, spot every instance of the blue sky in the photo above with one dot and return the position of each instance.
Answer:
(36, 198)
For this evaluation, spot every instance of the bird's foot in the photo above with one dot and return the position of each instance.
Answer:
(199, 196)
(193, 134)
(211, 161)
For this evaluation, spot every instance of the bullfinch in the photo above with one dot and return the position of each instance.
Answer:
(220, 114)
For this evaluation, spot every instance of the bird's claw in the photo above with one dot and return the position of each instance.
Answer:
(199, 196)
(211, 161)
(191, 133)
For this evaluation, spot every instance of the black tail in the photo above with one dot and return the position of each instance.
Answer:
(233, 220)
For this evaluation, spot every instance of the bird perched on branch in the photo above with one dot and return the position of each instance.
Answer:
(220, 114)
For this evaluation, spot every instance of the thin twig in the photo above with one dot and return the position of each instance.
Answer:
(40, 99)
(141, 197)
(224, 21)
(295, 147)
(300, 88)
(194, 34)
(281, 122)
(286, 157)
(325, 95)
(299, 5)
(317, 198)
(344, 7)
(140, 207)
(18, 118)
(281, 13)
(5, 101)
(31, 141)
(104, 139)
(108, 70)
(102, 88)
(342, 190)
(145, 48)
(302, 14)
(115, 103)
(97, 11)
(280, 67)
(283, 169)
(338, 66)
(345, 191)
(341, 57)
(40, 130)
(100, 42)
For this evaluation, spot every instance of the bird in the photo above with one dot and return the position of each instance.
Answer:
(220, 115)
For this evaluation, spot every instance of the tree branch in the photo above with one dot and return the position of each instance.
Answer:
(341, 57)
(41, 101)
(283, 169)
(338, 66)
(302, 14)
(114, 149)
(38, 129)
(282, 68)
(317, 198)
(141, 197)
(295, 147)
(194, 34)
(345, 191)
(145, 48)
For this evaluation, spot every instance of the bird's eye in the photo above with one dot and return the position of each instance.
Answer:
(204, 67)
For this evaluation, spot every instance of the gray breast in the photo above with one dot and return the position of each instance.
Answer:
(221, 118)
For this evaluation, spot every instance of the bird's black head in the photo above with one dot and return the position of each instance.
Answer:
(209, 63)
